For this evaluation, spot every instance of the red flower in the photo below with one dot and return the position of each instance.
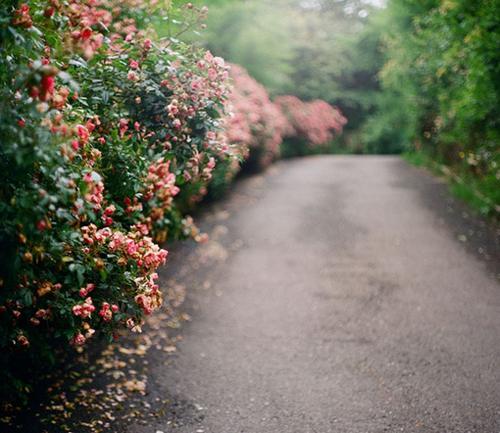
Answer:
(78, 340)
(47, 87)
(49, 12)
(110, 210)
(22, 17)
(41, 225)
(23, 341)
(86, 33)
(90, 125)
(34, 92)
(83, 133)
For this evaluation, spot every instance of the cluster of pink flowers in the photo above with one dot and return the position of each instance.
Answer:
(134, 245)
(255, 123)
(160, 187)
(316, 122)
(85, 309)
(84, 291)
(195, 90)
(258, 126)
(90, 21)
(95, 189)
(150, 297)
(107, 310)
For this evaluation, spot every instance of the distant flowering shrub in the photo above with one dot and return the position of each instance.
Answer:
(256, 123)
(257, 126)
(315, 122)
(102, 129)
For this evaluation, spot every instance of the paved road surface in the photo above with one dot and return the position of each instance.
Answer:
(348, 302)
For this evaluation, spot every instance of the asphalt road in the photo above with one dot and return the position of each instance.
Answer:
(342, 294)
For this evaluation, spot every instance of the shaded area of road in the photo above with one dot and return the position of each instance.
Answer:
(346, 294)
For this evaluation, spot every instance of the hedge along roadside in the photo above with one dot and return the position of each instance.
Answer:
(254, 125)
(102, 126)
(310, 125)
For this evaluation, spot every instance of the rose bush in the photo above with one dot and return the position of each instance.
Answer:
(106, 132)
(256, 123)
(310, 124)
(253, 127)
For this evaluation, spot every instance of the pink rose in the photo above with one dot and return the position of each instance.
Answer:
(78, 340)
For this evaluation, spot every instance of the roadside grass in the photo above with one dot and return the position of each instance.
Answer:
(482, 195)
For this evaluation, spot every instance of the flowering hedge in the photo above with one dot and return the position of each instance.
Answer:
(310, 124)
(256, 123)
(102, 126)
(254, 127)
